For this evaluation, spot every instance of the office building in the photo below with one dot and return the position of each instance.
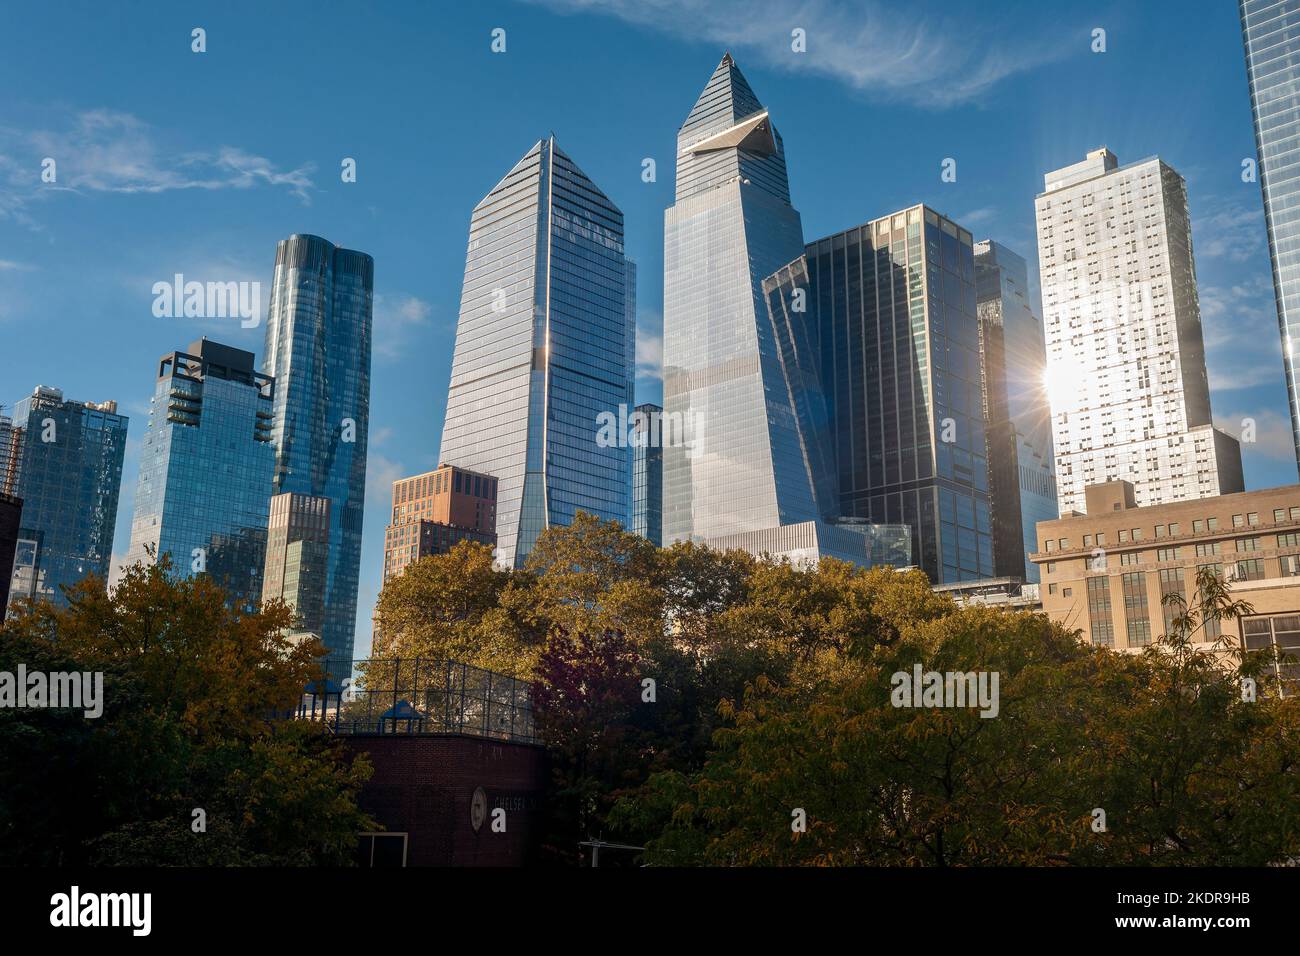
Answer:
(1268, 30)
(648, 474)
(543, 348)
(878, 327)
(433, 511)
(1107, 572)
(65, 463)
(318, 342)
(1125, 355)
(1017, 416)
(11, 517)
(297, 559)
(206, 463)
(739, 467)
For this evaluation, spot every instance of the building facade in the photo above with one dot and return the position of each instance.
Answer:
(433, 511)
(543, 349)
(1268, 29)
(1125, 354)
(318, 343)
(891, 334)
(1017, 415)
(206, 464)
(1107, 572)
(65, 463)
(297, 558)
(740, 467)
(11, 518)
(648, 475)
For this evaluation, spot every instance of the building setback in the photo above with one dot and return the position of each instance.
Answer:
(318, 342)
(433, 511)
(206, 463)
(648, 474)
(543, 347)
(1107, 572)
(1268, 29)
(1125, 355)
(1017, 416)
(65, 463)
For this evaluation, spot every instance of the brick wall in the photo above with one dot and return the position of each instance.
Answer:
(423, 786)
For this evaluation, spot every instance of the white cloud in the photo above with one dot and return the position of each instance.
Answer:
(649, 355)
(113, 152)
(1231, 229)
(1273, 440)
(395, 317)
(1239, 323)
(928, 60)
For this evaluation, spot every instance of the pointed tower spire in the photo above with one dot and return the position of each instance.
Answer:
(726, 100)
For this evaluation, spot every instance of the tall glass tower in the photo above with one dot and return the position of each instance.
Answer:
(318, 335)
(205, 469)
(1270, 30)
(1017, 415)
(64, 460)
(543, 348)
(648, 475)
(740, 467)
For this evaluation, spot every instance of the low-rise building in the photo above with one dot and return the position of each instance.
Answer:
(1107, 572)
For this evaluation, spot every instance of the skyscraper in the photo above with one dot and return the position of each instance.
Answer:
(433, 511)
(1268, 30)
(740, 468)
(297, 558)
(1017, 416)
(648, 475)
(205, 469)
(883, 316)
(318, 338)
(67, 457)
(1125, 355)
(542, 350)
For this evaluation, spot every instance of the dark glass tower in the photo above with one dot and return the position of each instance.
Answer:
(318, 339)
(648, 475)
(297, 558)
(1270, 29)
(66, 466)
(544, 346)
(892, 336)
(205, 469)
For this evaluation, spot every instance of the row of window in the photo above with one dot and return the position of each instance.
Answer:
(1173, 529)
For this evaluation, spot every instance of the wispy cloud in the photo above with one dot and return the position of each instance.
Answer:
(105, 151)
(1231, 229)
(649, 355)
(1239, 323)
(1271, 433)
(395, 317)
(891, 50)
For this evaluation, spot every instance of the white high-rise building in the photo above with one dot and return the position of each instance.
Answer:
(1125, 355)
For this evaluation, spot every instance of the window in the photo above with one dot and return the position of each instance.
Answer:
(1290, 539)
(1103, 631)
(1249, 570)
(1087, 541)
(1248, 544)
(1138, 622)
(1130, 557)
(1252, 518)
(1166, 554)
(1279, 514)
(1290, 566)
(1137, 534)
(1101, 538)
(1171, 582)
(1173, 528)
(1160, 531)
(1049, 545)
(1208, 548)
(1067, 592)
(1238, 521)
(1123, 535)
(1212, 524)
(1198, 526)
(1065, 544)
(1051, 567)
(381, 849)
(1279, 637)
(1095, 562)
(1051, 589)
(1294, 514)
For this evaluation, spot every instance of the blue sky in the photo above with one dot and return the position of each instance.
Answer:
(171, 161)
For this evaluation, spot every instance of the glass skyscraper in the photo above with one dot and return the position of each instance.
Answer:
(740, 467)
(884, 317)
(1017, 415)
(648, 475)
(297, 558)
(205, 469)
(65, 463)
(543, 348)
(318, 340)
(1270, 30)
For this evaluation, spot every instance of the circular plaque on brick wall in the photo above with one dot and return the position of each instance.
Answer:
(478, 808)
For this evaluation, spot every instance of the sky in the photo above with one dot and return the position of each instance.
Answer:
(171, 161)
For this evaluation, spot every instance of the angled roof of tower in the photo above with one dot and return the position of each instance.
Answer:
(725, 101)
(526, 166)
